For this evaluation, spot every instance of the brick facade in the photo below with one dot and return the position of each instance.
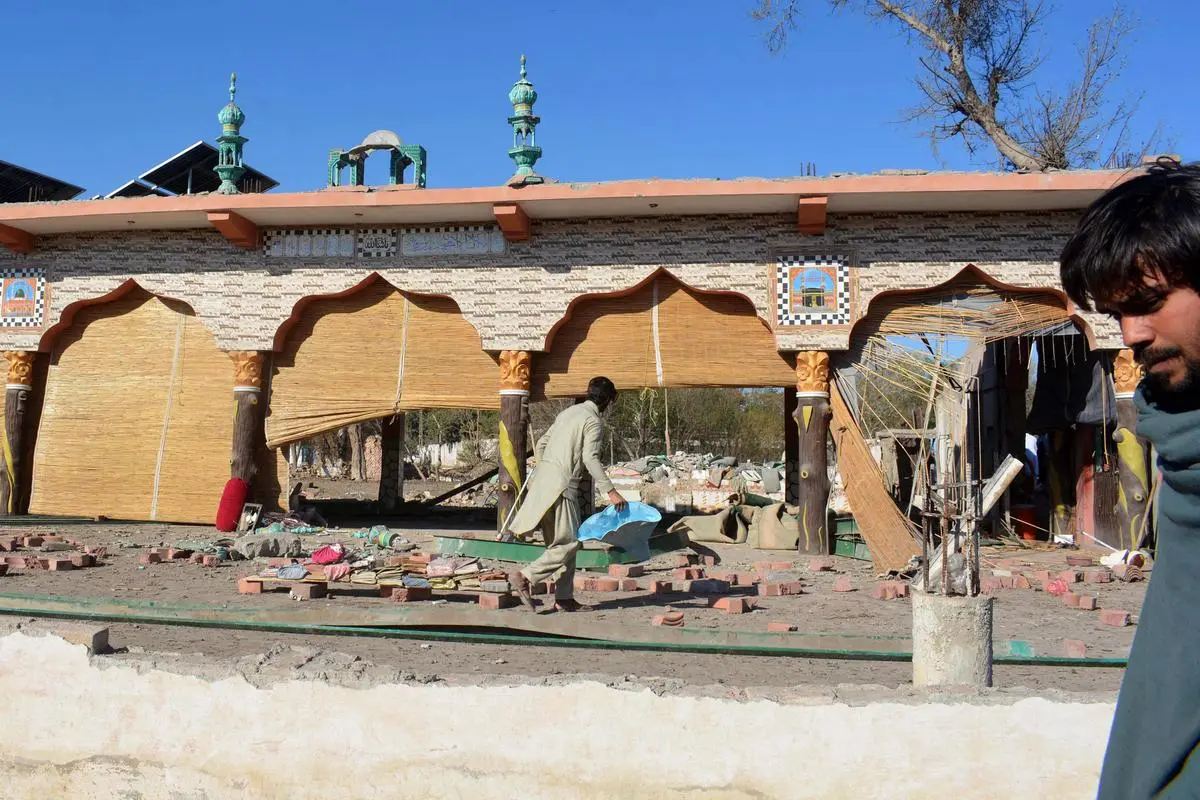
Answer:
(515, 298)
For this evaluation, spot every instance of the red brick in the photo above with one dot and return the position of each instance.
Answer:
(629, 585)
(688, 574)
(709, 561)
(606, 584)
(1068, 576)
(658, 587)
(495, 602)
(745, 579)
(989, 585)
(197, 558)
(780, 627)
(1021, 582)
(414, 594)
(781, 566)
(1114, 617)
(395, 561)
(1073, 648)
(1087, 603)
(211, 561)
(900, 588)
(81, 560)
(684, 560)
(8, 545)
(308, 591)
(883, 591)
(33, 541)
(1039, 575)
(1081, 561)
(626, 570)
(1098, 576)
(580, 584)
(1071, 599)
(780, 589)
(53, 538)
(732, 605)
(178, 555)
(1006, 581)
(843, 584)
(822, 564)
(671, 619)
(420, 558)
(249, 586)
(149, 558)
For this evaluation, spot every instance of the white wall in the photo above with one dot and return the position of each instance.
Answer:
(128, 729)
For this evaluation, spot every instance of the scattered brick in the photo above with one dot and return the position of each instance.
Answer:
(1128, 573)
(671, 619)
(178, 555)
(732, 605)
(33, 541)
(495, 602)
(683, 587)
(1081, 561)
(1071, 600)
(1006, 581)
(883, 591)
(149, 558)
(1039, 575)
(420, 558)
(1068, 576)
(745, 579)
(1087, 603)
(395, 561)
(542, 587)
(626, 570)
(820, 564)
(197, 558)
(413, 594)
(82, 560)
(843, 584)
(1021, 582)
(249, 586)
(53, 538)
(308, 591)
(213, 561)
(688, 574)
(1097, 576)
(710, 561)
(900, 588)
(628, 584)
(684, 560)
(33, 562)
(1114, 617)
(658, 587)
(605, 584)
(1056, 587)
(1073, 648)
(989, 585)
(8, 545)
(780, 627)
(780, 589)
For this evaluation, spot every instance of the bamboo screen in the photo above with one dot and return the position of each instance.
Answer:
(695, 339)
(374, 353)
(138, 416)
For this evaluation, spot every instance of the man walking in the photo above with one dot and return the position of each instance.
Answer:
(1136, 257)
(569, 448)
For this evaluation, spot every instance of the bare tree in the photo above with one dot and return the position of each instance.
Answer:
(978, 79)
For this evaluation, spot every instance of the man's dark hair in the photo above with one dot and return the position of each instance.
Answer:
(601, 391)
(1148, 225)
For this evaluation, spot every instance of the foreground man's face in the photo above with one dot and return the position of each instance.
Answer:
(1161, 325)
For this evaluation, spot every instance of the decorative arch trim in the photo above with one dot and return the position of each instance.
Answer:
(67, 318)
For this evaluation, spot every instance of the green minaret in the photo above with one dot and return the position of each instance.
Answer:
(525, 151)
(229, 143)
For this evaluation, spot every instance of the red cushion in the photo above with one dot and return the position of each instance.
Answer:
(232, 500)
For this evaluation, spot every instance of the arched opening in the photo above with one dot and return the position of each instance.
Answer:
(136, 421)
(661, 334)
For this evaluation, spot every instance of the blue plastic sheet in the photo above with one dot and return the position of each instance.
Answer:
(628, 529)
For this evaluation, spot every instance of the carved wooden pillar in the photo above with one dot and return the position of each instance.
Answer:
(391, 469)
(514, 422)
(812, 422)
(248, 407)
(1133, 456)
(16, 395)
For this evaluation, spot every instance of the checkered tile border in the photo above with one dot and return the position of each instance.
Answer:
(783, 291)
(309, 243)
(39, 306)
(377, 243)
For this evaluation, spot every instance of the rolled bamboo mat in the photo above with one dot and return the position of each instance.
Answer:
(138, 416)
(890, 535)
(372, 354)
(662, 334)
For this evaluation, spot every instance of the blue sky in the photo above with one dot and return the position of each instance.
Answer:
(98, 91)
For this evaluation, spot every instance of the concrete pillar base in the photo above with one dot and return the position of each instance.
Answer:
(952, 640)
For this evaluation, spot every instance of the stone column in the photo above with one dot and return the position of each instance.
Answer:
(514, 422)
(248, 407)
(391, 468)
(16, 396)
(1133, 456)
(812, 421)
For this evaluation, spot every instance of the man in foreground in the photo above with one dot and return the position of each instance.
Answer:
(569, 448)
(1136, 257)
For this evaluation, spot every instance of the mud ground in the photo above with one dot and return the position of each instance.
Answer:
(1029, 615)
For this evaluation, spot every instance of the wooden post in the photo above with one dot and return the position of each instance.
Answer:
(791, 450)
(247, 414)
(812, 421)
(1133, 456)
(16, 395)
(391, 468)
(514, 423)
(1060, 474)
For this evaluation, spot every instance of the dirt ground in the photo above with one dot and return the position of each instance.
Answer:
(1029, 615)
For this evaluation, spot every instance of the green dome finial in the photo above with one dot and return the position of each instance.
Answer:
(522, 96)
(231, 117)
(232, 85)
(525, 151)
(522, 66)
(229, 144)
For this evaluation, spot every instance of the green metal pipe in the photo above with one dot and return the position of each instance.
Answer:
(538, 640)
